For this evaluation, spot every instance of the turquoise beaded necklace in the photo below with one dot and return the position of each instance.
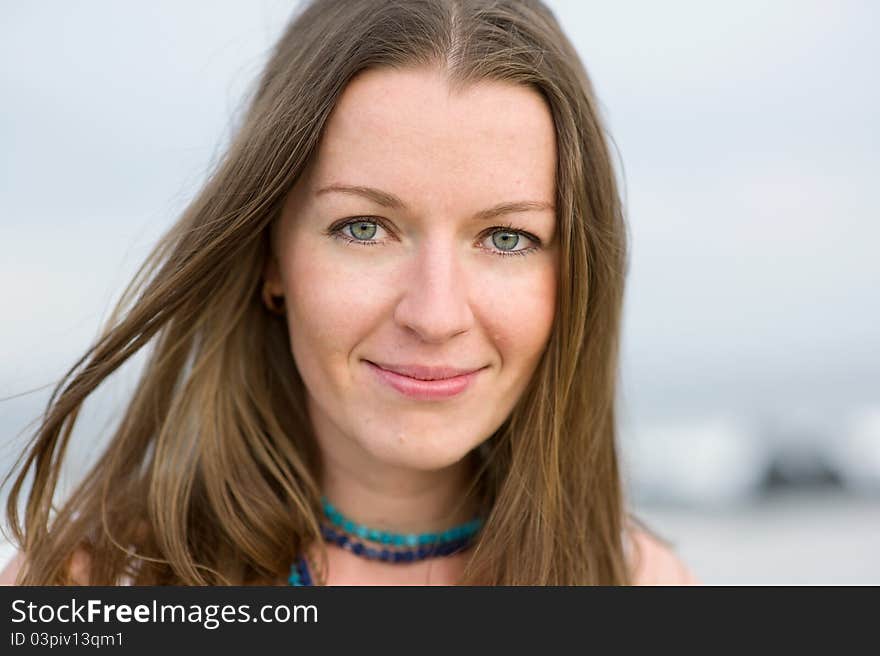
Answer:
(466, 530)
(421, 545)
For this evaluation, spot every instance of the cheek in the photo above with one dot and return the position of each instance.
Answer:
(519, 311)
(330, 305)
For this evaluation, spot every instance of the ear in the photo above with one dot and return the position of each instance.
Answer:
(272, 276)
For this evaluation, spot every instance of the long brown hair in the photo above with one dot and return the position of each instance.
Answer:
(211, 475)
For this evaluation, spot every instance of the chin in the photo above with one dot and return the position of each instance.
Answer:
(416, 452)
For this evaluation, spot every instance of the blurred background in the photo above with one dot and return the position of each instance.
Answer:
(749, 140)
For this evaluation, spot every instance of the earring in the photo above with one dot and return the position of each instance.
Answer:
(274, 303)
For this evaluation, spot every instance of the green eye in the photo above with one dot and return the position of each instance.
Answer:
(505, 241)
(363, 229)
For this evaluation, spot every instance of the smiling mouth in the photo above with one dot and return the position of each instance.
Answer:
(426, 389)
(425, 372)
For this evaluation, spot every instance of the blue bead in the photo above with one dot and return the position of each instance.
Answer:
(299, 574)
(429, 544)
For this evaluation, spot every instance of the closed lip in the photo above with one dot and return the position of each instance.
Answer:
(423, 372)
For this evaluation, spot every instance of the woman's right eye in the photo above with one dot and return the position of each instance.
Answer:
(359, 231)
(363, 229)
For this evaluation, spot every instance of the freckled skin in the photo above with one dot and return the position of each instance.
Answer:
(433, 291)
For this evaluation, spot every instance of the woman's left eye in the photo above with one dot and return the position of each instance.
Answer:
(505, 240)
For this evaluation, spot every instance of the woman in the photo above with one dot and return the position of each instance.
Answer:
(437, 408)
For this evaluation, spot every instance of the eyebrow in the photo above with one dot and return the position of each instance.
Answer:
(386, 199)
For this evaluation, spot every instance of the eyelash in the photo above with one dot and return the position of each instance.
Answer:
(336, 233)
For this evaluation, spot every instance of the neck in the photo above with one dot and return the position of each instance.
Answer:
(394, 498)
(400, 500)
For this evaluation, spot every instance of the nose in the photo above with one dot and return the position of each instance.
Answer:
(435, 304)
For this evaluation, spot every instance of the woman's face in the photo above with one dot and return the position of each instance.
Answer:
(421, 236)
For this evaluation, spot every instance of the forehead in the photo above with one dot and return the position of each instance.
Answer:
(407, 132)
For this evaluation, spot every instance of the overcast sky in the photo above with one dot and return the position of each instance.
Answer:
(748, 132)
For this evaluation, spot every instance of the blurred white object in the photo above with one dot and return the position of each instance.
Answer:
(856, 454)
(711, 462)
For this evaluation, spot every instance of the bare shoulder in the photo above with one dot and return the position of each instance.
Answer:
(79, 568)
(654, 562)
(10, 570)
